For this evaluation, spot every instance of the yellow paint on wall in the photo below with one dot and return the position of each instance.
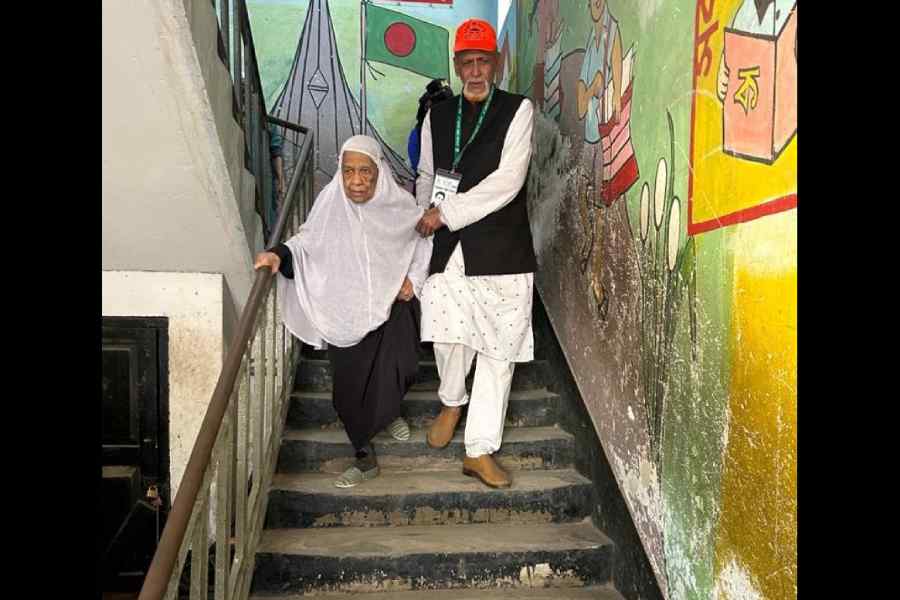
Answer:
(757, 535)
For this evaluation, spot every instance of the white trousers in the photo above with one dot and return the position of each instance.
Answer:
(490, 393)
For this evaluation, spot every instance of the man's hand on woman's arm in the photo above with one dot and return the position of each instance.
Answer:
(406, 292)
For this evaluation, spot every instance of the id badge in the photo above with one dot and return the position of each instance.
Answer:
(445, 185)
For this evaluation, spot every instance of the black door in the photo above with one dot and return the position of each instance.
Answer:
(135, 445)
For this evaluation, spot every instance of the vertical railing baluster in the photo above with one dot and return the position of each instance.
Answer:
(258, 403)
(243, 431)
(234, 495)
(267, 378)
(261, 324)
(200, 551)
(223, 454)
(272, 372)
(287, 366)
(310, 184)
(237, 51)
(250, 530)
(245, 77)
(224, 30)
(246, 580)
(301, 201)
(277, 362)
(280, 397)
(252, 417)
(172, 591)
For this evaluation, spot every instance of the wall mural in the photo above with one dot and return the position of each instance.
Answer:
(310, 51)
(745, 112)
(661, 204)
(507, 75)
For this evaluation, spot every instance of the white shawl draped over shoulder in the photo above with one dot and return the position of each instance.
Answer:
(350, 259)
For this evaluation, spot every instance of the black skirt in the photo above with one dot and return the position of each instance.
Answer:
(371, 378)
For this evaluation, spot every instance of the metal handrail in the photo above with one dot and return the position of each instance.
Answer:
(189, 510)
(249, 404)
(288, 125)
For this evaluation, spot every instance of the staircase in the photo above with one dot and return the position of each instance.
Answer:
(423, 525)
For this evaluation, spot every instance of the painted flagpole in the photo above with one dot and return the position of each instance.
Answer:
(362, 65)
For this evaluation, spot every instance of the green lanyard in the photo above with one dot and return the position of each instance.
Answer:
(457, 153)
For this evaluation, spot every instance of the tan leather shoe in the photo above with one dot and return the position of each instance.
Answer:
(441, 431)
(487, 470)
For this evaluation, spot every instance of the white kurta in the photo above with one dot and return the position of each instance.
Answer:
(490, 313)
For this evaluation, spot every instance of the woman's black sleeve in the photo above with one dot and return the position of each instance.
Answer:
(287, 260)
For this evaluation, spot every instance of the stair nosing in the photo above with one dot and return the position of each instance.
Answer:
(421, 539)
(417, 435)
(597, 591)
(421, 362)
(289, 483)
(540, 393)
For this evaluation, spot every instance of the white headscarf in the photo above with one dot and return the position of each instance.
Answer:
(349, 259)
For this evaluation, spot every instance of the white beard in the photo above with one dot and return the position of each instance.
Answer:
(473, 96)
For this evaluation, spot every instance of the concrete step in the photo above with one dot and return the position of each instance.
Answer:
(329, 450)
(526, 408)
(307, 352)
(358, 559)
(314, 374)
(594, 592)
(427, 498)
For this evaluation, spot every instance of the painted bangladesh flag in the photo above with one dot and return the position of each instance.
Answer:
(402, 41)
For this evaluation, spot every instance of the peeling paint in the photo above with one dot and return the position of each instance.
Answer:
(735, 583)
(543, 575)
(551, 179)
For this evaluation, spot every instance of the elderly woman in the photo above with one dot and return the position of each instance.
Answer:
(349, 280)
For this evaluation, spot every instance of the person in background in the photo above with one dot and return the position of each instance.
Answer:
(436, 91)
(276, 154)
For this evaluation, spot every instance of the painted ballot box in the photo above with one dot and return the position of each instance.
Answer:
(760, 111)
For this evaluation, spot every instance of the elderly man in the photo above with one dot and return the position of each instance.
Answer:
(476, 149)
(349, 279)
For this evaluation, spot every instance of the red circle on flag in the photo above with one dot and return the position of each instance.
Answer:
(400, 39)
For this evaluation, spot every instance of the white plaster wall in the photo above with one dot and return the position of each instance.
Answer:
(196, 306)
(172, 157)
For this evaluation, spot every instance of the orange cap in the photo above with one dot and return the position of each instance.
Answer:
(475, 34)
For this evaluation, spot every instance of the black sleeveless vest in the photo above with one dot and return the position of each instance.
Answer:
(500, 243)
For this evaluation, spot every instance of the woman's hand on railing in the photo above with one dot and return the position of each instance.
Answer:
(267, 259)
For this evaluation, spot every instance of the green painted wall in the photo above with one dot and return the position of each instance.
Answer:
(687, 366)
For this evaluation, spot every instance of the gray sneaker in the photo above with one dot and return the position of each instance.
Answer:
(398, 429)
(354, 476)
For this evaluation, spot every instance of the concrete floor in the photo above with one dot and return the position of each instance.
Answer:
(587, 593)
